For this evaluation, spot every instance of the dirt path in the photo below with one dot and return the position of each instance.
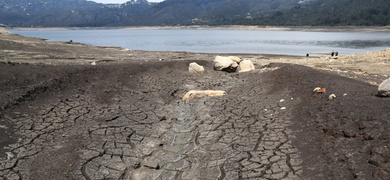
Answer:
(124, 118)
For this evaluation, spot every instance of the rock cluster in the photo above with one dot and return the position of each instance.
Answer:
(384, 88)
(232, 64)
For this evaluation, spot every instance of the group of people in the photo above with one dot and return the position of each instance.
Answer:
(332, 54)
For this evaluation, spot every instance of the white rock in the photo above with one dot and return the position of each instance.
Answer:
(195, 68)
(245, 66)
(384, 88)
(222, 63)
(332, 96)
(93, 63)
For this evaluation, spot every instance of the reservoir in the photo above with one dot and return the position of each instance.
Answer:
(223, 41)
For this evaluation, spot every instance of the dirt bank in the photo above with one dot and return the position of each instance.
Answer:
(63, 118)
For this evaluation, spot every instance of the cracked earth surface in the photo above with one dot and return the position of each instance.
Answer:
(62, 118)
(139, 128)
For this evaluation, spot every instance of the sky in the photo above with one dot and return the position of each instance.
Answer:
(119, 1)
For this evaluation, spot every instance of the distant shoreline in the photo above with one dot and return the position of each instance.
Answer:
(230, 27)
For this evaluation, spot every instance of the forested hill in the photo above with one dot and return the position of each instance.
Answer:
(48, 13)
(75, 13)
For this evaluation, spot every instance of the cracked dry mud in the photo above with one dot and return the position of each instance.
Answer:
(124, 119)
(135, 126)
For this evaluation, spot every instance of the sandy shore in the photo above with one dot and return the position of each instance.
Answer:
(74, 111)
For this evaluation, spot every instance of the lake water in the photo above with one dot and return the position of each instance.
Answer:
(223, 41)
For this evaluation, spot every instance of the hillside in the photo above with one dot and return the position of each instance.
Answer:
(81, 13)
(74, 13)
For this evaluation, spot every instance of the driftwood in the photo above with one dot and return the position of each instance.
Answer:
(199, 94)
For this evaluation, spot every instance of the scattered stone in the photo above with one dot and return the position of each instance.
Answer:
(222, 63)
(199, 94)
(195, 68)
(319, 90)
(93, 63)
(245, 66)
(384, 88)
(345, 94)
(332, 96)
(283, 108)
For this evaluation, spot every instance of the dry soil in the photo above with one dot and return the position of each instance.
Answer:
(63, 118)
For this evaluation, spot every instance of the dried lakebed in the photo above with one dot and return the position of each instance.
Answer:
(137, 127)
(129, 122)
(126, 120)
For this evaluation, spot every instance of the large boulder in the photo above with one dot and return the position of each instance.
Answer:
(245, 66)
(222, 63)
(384, 88)
(195, 68)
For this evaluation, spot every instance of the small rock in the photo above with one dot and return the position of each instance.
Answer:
(245, 66)
(93, 63)
(384, 88)
(195, 68)
(332, 96)
(283, 108)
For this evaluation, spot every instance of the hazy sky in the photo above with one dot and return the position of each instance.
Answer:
(119, 1)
